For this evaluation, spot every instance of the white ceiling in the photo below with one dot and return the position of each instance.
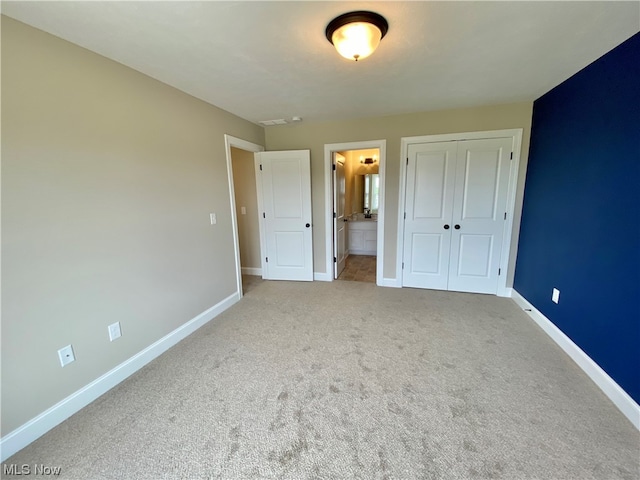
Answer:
(270, 60)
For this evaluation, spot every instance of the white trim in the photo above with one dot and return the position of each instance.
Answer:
(261, 228)
(329, 148)
(41, 424)
(252, 271)
(508, 293)
(322, 277)
(516, 135)
(516, 146)
(611, 389)
(391, 282)
(229, 142)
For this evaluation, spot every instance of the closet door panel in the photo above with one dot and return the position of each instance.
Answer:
(480, 200)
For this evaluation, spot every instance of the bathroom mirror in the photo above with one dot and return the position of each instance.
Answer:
(365, 193)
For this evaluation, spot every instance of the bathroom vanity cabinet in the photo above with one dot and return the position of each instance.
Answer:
(363, 237)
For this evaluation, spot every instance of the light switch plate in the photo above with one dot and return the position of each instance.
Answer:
(213, 218)
(243, 210)
(555, 296)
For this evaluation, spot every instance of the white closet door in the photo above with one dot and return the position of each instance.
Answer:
(428, 209)
(482, 180)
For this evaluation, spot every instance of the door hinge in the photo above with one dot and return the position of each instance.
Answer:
(334, 166)
(405, 215)
(260, 167)
(335, 259)
(511, 156)
(403, 265)
(263, 215)
(267, 259)
(334, 215)
(505, 215)
(499, 271)
(407, 160)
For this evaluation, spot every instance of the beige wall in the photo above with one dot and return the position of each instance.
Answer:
(244, 183)
(108, 179)
(314, 136)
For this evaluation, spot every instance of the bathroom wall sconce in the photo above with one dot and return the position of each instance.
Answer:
(368, 161)
(356, 35)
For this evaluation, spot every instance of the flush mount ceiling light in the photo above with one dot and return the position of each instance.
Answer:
(356, 35)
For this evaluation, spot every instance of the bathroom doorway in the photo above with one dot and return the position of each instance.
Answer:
(355, 209)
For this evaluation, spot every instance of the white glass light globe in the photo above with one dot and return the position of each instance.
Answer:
(356, 41)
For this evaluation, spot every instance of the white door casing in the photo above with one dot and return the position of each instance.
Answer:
(456, 208)
(285, 180)
(230, 141)
(339, 221)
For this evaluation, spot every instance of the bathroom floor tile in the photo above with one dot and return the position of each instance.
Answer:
(359, 268)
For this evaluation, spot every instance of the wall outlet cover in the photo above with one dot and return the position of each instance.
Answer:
(555, 296)
(114, 331)
(66, 355)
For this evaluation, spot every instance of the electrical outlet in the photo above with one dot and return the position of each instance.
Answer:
(213, 218)
(66, 355)
(243, 210)
(555, 296)
(114, 331)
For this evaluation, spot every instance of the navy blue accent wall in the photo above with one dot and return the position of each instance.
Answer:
(580, 230)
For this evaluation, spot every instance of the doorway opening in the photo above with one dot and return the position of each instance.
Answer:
(244, 211)
(355, 210)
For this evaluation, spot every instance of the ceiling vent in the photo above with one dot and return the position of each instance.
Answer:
(279, 121)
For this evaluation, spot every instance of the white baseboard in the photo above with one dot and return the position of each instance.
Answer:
(251, 271)
(38, 426)
(322, 277)
(505, 292)
(611, 389)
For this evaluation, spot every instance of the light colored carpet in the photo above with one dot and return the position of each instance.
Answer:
(348, 380)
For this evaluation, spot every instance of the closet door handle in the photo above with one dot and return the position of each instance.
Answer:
(457, 227)
(446, 227)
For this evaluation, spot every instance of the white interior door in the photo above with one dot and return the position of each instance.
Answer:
(339, 221)
(431, 175)
(285, 179)
(479, 214)
(455, 209)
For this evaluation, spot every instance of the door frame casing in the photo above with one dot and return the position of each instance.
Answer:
(516, 145)
(329, 148)
(230, 141)
(336, 218)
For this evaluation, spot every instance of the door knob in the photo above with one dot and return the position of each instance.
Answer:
(308, 225)
(446, 227)
(457, 227)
